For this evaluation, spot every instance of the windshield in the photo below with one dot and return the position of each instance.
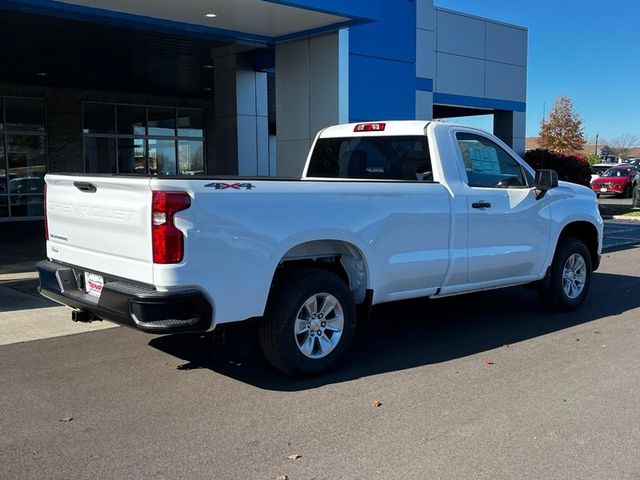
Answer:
(617, 172)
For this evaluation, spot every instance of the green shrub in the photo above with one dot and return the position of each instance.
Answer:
(571, 168)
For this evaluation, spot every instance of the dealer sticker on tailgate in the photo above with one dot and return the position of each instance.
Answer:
(93, 284)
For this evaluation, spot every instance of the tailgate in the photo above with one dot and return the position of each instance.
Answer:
(102, 224)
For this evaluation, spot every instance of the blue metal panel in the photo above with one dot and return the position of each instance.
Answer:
(478, 102)
(382, 71)
(381, 89)
(392, 37)
(424, 84)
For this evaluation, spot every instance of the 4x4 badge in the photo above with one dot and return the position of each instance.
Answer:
(232, 186)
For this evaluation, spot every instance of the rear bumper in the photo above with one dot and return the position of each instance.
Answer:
(133, 305)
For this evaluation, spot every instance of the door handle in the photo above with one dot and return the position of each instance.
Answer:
(481, 204)
(85, 187)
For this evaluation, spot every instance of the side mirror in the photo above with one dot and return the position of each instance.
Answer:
(545, 180)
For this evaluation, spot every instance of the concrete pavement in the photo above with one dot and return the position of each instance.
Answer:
(483, 386)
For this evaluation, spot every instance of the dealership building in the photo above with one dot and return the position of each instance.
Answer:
(232, 87)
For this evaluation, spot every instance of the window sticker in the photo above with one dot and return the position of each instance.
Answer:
(483, 160)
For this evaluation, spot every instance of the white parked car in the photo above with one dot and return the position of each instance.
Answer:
(598, 169)
(384, 211)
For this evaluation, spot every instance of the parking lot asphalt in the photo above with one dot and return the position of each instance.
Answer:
(488, 385)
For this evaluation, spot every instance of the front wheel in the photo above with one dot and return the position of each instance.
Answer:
(309, 322)
(570, 276)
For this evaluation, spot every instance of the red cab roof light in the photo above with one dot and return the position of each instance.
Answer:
(370, 127)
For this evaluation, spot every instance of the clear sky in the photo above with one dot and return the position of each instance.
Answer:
(588, 50)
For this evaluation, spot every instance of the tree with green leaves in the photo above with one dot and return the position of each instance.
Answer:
(562, 130)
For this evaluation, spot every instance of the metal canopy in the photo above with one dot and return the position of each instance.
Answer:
(255, 17)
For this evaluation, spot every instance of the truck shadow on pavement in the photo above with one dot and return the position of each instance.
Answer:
(411, 334)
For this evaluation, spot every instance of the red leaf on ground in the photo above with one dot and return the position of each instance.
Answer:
(489, 362)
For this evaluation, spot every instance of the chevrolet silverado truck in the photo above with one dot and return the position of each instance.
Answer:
(384, 211)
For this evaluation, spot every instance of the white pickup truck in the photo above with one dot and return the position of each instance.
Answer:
(383, 212)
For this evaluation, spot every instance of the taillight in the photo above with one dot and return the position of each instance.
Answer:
(370, 127)
(168, 241)
(46, 222)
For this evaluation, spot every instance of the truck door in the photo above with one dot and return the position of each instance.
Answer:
(509, 228)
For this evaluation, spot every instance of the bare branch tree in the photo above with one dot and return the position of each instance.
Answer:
(621, 145)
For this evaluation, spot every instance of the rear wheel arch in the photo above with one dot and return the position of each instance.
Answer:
(338, 256)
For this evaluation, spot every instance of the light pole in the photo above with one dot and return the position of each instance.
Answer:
(595, 152)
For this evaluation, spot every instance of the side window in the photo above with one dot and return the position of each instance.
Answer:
(488, 165)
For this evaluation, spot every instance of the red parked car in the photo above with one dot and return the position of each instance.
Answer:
(619, 180)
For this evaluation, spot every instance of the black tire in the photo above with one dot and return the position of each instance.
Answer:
(628, 192)
(554, 296)
(288, 295)
(635, 203)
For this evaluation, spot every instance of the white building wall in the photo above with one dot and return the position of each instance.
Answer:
(425, 56)
(311, 94)
(479, 57)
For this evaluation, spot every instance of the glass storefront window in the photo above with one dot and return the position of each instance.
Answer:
(24, 114)
(98, 118)
(162, 121)
(23, 157)
(190, 123)
(143, 139)
(162, 157)
(4, 206)
(27, 205)
(27, 160)
(3, 168)
(131, 155)
(190, 157)
(100, 155)
(131, 120)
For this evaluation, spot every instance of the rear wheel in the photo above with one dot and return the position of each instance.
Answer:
(570, 276)
(636, 197)
(309, 322)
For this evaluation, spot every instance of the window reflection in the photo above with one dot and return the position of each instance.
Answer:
(190, 123)
(137, 139)
(162, 157)
(131, 155)
(23, 157)
(162, 121)
(190, 158)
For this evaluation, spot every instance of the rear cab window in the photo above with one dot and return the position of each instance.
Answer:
(372, 158)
